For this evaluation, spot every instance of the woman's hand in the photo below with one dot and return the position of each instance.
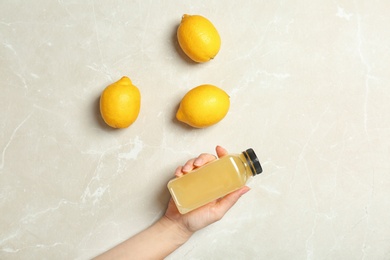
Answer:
(209, 213)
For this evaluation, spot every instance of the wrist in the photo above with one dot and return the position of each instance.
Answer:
(180, 234)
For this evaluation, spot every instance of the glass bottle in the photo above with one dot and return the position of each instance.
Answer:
(213, 180)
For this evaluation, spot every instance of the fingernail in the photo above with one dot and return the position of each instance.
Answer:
(186, 168)
(198, 162)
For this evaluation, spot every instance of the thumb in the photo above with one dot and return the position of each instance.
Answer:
(229, 200)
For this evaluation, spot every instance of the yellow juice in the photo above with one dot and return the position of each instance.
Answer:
(212, 181)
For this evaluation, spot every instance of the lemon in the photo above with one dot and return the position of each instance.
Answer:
(203, 106)
(120, 103)
(198, 38)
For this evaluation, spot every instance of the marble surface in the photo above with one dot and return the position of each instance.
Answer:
(309, 86)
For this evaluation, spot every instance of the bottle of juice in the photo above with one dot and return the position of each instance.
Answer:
(213, 180)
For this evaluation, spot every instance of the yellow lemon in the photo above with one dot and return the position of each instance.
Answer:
(198, 38)
(203, 106)
(120, 103)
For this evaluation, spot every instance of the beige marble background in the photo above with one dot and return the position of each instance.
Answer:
(309, 86)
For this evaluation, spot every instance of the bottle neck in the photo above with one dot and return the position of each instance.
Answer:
(247, 167)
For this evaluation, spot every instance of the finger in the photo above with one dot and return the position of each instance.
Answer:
(178, 172)
(188, 166)
(204, 158)
(225, 203)
(221, 151)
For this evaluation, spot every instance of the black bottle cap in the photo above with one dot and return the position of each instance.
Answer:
(253, 161)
